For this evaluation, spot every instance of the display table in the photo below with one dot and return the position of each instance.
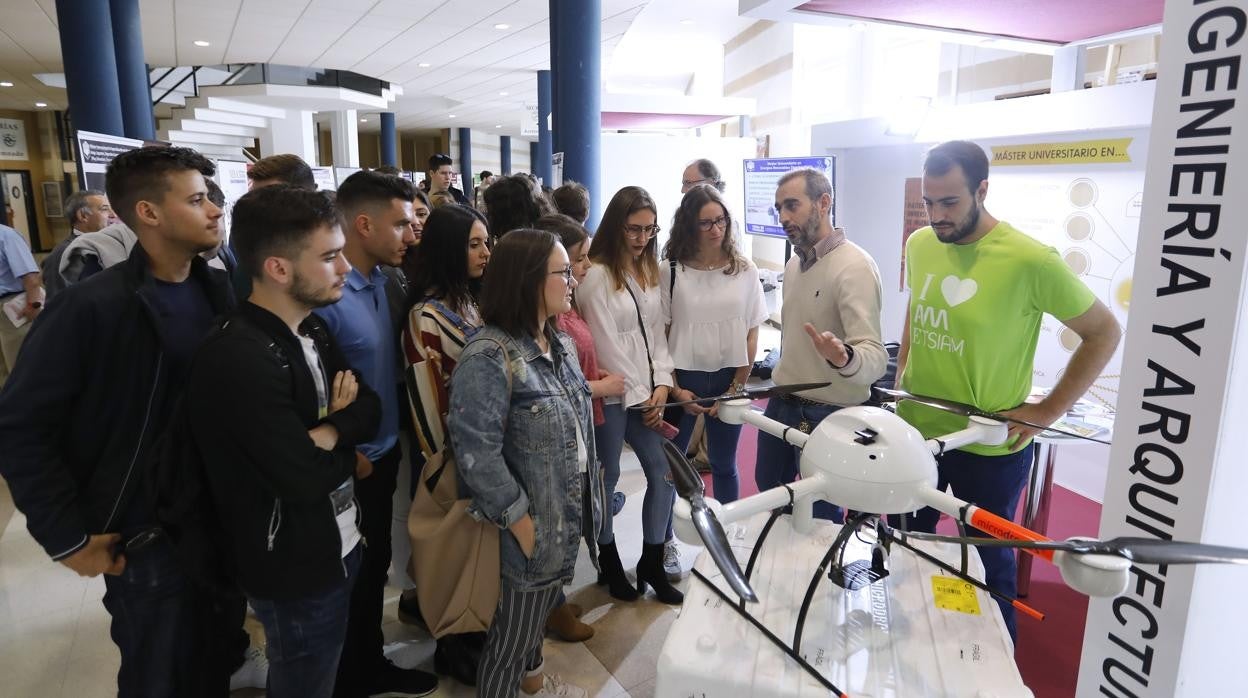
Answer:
(887, 639)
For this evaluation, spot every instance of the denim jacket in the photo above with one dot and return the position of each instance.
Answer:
(518, 455)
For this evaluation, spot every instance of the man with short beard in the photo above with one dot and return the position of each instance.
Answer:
(979, 290)
(832, 293)
(276, 415)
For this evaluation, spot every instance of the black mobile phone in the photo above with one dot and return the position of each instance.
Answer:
(137, 542)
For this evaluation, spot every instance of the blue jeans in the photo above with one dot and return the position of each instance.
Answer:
(305, 637)
(158, 624)
(656, 509)
(721, 439)
(778, 461)
(994, 483)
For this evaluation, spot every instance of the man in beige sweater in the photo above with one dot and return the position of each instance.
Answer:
(831, 324)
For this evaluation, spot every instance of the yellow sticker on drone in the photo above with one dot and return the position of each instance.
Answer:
(953, 594)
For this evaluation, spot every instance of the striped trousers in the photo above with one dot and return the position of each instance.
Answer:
(513, 645)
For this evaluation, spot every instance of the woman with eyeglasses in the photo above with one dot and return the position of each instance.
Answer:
(713, 305)
(445, 283)
(521, 423)
(620, 301)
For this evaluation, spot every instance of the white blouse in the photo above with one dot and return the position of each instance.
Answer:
(612, 319)
(709, 314)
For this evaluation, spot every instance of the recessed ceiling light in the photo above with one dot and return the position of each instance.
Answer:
(422, 65)
(6, 83)
(502, 94)
(41, 104)
(498, 125)
(363, 121)
(502, 26)
(201, 43)
(686, 22)
(450, 116)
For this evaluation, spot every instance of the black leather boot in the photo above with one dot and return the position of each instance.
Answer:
(612, 574)
(650, 571)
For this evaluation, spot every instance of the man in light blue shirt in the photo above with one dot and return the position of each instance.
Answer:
(376, 210)
(18, 274)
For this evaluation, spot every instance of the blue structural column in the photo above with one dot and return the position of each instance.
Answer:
(465, 160)
(389, 140)
(577, 73)
(132, 73)
(541, 165)
(504, 154)
(86, 29)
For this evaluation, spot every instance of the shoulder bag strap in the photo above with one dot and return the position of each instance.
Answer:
(645, 338)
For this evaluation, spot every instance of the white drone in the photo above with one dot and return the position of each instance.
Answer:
(868, 459)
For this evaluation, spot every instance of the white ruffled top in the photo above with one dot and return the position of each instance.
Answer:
(709, 314)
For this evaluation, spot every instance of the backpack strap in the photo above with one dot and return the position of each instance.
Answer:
(671, 285)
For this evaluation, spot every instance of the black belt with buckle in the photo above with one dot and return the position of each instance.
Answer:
(803, 401)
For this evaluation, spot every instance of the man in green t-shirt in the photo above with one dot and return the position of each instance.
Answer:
(979, 289)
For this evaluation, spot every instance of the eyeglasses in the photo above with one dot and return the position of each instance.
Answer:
(690, 183)
(705, 224)
(641, 232)
(566, 273)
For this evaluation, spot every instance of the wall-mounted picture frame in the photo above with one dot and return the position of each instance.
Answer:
(53, 200)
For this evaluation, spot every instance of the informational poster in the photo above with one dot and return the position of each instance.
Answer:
(13, 140)
(556, 170)
(528, 124)
(341, 173)
(232, 178)
(95, 151)
(913, 217)
(761, 178)
(324, 177)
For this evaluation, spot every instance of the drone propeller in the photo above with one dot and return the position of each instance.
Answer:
(690, 487)
(746, 394)
(1148, 551)
(965, 410)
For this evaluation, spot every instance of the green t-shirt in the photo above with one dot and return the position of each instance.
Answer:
(975, 313)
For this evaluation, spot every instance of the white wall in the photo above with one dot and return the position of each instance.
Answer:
(486, 154)
(656, 162)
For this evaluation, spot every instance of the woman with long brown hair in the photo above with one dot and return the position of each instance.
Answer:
(620, 301)
(713, 304)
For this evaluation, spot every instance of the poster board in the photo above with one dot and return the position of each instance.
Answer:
(231, 176)
(95, 151)
(13, 140)
(761, 177)
(324, 177)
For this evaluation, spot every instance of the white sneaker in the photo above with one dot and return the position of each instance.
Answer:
(553, 686)
(671, 561)
(254, 673)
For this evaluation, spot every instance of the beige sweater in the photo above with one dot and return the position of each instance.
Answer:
(839, 294)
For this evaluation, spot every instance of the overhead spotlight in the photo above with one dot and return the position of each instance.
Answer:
(41, 104)
(201, 43)
(6, 83)
(450, 116)
(363, 121)
(686, 22)
(502, 26)
(504, 93)
(498, 125)
(422, 65)
(908, 116)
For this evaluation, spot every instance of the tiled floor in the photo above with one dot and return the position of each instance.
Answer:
(54, 630)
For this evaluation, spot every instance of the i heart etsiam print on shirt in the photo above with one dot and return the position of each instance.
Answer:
(957, 291)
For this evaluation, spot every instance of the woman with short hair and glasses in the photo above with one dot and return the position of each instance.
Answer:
(713, 305)
(620, 301)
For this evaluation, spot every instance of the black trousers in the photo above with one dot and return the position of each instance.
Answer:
(362, 653)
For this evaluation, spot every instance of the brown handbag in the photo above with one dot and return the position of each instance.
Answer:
(455, 558)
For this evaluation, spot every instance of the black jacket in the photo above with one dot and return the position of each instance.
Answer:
(251, 400)
(87, 400)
